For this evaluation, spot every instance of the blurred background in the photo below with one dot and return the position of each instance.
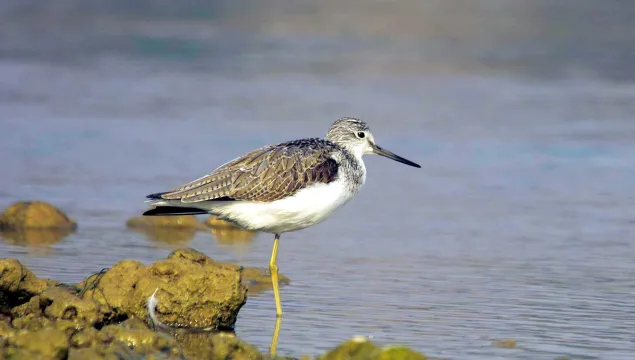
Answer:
(521, 112)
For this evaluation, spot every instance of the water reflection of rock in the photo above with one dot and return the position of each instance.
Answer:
(34, 223)
(173, 230)
(34, 237)
(228, 234)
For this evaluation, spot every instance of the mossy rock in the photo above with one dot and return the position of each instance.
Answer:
(18, 284)
(400, 353)
(43, 344)
(362, 349)
(194, 291)
(214, 345)
(60, 304)
(35, 215)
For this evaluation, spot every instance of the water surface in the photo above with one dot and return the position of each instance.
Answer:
(519, 225)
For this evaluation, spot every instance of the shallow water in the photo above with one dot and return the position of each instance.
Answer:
(518, 226)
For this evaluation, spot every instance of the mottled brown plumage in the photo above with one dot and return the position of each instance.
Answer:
(266, 174)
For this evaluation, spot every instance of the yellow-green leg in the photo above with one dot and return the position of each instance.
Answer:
(273, 268)
(274, 338)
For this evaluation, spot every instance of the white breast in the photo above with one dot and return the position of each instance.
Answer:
(307, 207)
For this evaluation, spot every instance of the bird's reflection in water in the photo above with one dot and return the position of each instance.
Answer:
(39, 239)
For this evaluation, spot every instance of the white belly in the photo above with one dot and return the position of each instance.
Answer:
(307, 207)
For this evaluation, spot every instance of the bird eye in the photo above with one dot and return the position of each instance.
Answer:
(361, 135)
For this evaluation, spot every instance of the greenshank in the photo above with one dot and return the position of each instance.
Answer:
(281, 188)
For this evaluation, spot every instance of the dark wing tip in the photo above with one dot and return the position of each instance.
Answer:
(156, 196)
(173, 210)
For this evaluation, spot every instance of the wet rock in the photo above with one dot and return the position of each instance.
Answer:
(136, 335)
(35, 215)
(400, 353)
(194, 291)
(59, 308)
(354, 349)
(18, 284)
(504, 343)
(43, 344)
(361, 348)
(5, 328)
(130, 339)
(214, 345)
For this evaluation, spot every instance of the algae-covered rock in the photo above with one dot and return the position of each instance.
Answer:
(400, 353)
(130, 339)
(214, 345)
(362, 349)
(35, 215)
(194, 291)
(136, 335)
(354, 349)
(61, 309)
(5, 328)
(18, 284)
(42, 344)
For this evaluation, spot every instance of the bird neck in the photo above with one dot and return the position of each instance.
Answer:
(353, 166)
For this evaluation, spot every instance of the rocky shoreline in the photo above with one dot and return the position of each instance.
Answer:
(106, 315)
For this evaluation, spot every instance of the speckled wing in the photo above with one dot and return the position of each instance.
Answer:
(266, 174)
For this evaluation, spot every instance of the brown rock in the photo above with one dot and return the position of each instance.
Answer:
(35, 215)
(194, 291)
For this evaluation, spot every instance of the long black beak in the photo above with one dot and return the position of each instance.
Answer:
(383, 152)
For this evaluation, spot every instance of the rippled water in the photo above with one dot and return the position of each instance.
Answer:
(518, 226)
